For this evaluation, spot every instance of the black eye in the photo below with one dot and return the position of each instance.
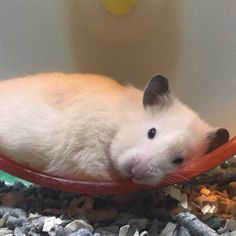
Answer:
(151, 133)
(178, 160)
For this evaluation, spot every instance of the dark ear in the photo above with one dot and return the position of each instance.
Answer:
(157, 92)
(217, 138)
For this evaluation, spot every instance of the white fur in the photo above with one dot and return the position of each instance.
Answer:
(87, 126)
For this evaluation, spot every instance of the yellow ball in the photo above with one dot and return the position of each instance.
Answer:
(119, 7)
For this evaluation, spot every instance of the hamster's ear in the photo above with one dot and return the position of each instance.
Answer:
(216, 138)
(157, 92)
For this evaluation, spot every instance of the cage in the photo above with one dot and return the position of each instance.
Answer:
(192, 43)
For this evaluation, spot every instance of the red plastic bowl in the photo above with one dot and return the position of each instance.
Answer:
(190, 169)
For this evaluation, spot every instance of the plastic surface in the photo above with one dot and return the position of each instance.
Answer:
(190, 169)
(117, 7)
(10, 179)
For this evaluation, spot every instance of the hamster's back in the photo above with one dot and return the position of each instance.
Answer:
(51, 86)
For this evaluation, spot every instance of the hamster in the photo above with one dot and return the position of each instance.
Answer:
(84, 126)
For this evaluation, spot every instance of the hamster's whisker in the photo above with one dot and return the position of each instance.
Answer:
(169, 179)
(181, 177)
(192, 168)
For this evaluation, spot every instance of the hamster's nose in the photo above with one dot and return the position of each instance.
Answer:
(138, 167)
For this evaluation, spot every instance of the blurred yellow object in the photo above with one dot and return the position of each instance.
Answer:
(118, 7)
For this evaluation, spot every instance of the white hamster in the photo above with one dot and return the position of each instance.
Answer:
(86, 126)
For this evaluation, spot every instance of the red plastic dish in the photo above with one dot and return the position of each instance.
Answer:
(191, 169)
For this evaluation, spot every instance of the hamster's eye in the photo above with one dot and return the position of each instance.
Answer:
(178, 160)
(151, 133)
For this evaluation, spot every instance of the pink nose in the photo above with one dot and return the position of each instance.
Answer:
(139, 167)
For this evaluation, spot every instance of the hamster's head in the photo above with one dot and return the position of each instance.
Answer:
(162, 137)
